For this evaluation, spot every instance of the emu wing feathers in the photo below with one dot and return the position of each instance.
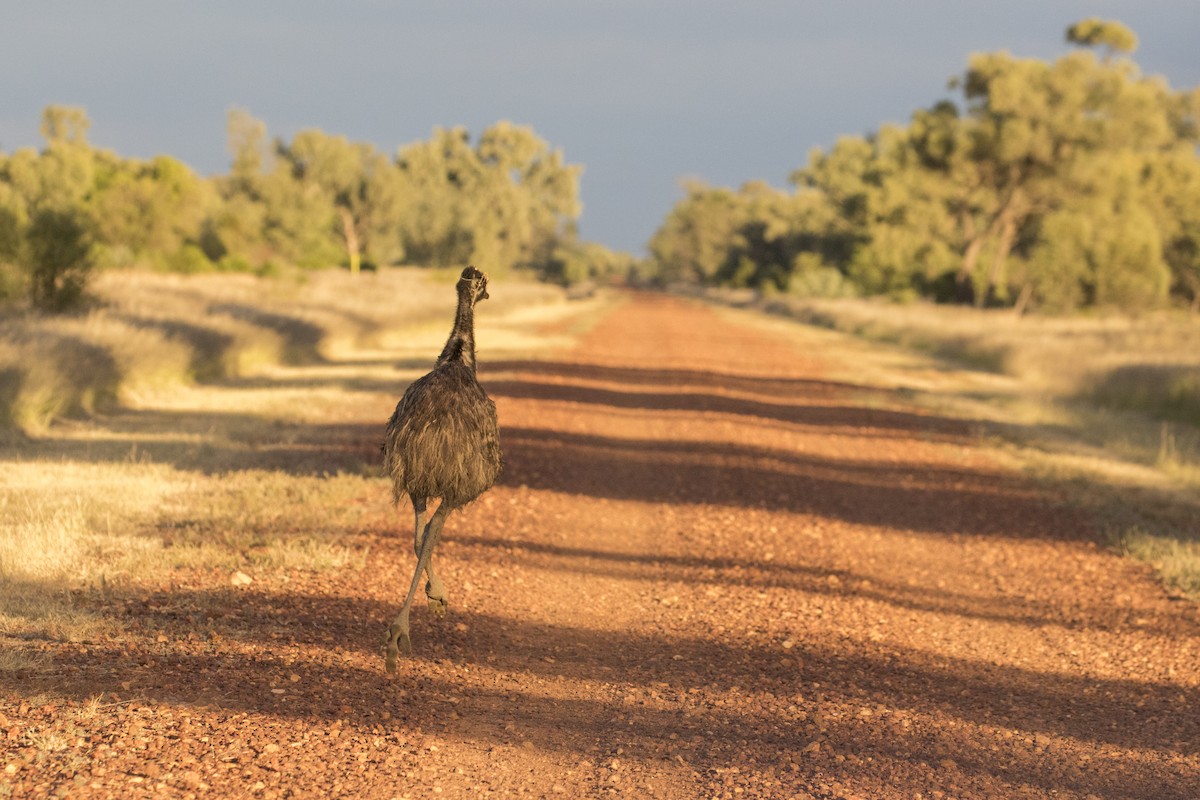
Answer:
(443, 439)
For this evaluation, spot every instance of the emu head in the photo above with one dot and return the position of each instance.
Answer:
(473, 285)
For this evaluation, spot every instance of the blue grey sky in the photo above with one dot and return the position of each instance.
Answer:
(642, 93)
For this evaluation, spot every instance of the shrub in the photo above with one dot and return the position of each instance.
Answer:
(58, 256)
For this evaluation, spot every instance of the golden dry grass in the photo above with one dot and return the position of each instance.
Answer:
(1106, 409)
(1149, 363)
(149, 332)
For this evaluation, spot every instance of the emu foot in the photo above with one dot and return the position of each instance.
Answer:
(435, 592)
(437, 605)
(397, 640)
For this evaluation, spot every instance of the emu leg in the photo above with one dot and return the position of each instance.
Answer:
(398, 634)
(435, 590)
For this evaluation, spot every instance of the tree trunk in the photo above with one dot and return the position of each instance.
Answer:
(1023, 299)
(351, 236)
(966, 272)
(1004, 246)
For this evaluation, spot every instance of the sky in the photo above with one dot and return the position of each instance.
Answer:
(642, 93)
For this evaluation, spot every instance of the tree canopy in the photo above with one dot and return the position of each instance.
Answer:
(506, 200)
(1058, 185)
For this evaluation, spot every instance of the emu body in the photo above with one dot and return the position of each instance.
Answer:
(443, 441)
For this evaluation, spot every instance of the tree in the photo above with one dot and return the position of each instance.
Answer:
(58, 256)
(509, 200)
(13, 280)
(151, 210)
(896, 232)
(542, 190)
(693, 242)
(1030, 125)
(44, 211)
(268, 211)
(435, 220)
(1113, 36)
(62, 175)
(350, 177)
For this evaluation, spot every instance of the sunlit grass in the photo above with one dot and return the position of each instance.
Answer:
(64, 527)
(1106, 409)
(149, 332)
(1150, 362)
(71, 528)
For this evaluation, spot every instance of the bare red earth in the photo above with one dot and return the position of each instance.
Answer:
(708, 572)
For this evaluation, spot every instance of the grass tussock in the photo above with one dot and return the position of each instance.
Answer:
(65, 527)
(267, 520)
(149, 332)
(1149, 364)
(1176, 560)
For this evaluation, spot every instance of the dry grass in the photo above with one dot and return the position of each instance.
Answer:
(1105, 408)
(1149, 363)
(67, 526)
(151, 332)
(205, 425)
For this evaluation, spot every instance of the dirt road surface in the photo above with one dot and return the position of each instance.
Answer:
(708, 571)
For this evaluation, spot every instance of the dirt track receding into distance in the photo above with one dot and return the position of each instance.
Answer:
(708, 571)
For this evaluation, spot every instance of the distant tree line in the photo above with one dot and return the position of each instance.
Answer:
(1059, 185)
(505, 200)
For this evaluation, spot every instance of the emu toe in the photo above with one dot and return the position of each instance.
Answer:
(397, 640)
(435, 592)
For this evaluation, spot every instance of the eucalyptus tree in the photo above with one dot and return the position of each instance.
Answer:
(358, 182)
(506, 201)
(693, 242)
(150, 212)
(1050, 159)
(45, 206)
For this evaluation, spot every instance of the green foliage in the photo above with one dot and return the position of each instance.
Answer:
(1113, 35)
(318, 200)
(576, 263)
(1054, 185)
(507, 201)
(58, 257)
(149, 210)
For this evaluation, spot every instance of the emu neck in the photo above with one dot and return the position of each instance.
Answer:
(460, 346)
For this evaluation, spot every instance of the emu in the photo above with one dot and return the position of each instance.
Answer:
(443, 441)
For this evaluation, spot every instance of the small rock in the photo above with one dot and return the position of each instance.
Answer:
(240, 578)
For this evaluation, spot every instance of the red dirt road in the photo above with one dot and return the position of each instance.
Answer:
(708, 572)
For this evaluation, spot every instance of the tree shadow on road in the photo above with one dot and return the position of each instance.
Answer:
(906, 496)
(228, 650)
